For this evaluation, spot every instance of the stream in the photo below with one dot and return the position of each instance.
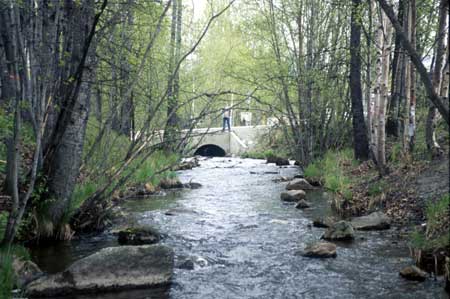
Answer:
(243, 239)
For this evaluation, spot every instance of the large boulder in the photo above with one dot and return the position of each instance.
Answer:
(25, 271)
(138, 236)
(319, 250)
(299, 184)
(293, 195)
(413, 273)
(302, 204)
(374, 221)
(339, 231)
(113, 268)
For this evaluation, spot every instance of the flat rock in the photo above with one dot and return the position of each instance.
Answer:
(302, 204)
(110, 269)
(339, 231)
(319, 250)
(293, 195)
(373, 221)
(138, 236)
(413, 273)
(299, 184)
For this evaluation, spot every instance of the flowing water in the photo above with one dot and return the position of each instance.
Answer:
(243, 241)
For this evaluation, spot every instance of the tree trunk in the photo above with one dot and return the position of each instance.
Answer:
(64, 155)
(361, 145)
(170, 134)
(384, 43)
(431, 141)
(393, 123)
(432, 95)
(412, 91)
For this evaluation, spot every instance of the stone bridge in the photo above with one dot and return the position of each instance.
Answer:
(215, 142)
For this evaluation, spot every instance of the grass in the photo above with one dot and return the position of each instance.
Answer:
(313, 171)
(436, 235)
(331, 171)
(7, 277)
(258, 154)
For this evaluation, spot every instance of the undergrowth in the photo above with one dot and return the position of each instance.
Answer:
(331, 171)
(437, 231)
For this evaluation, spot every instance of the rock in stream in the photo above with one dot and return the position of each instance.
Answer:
(113, 268)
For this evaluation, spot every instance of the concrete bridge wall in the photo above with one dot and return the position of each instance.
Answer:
(238, 141)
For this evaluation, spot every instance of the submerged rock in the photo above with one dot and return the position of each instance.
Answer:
(374, 221)
(113, 268)
(302, 204)
(192, 185)
(138, 236)
(339, 231)
(299, 184)
(319, 250)
(178, 211)
(413, 273)
(293, 195)
(186, 264)
(25, 271)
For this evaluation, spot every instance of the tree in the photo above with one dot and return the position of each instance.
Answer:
(360, 143)
(437, 77)
(435, 99)
(58, 97)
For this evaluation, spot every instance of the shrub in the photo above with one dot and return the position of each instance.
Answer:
(313, 171)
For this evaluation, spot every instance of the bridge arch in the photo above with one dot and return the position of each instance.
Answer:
(210, 150)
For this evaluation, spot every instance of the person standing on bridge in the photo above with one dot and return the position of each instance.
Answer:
(226, 119)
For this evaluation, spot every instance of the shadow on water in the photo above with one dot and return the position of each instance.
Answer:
(243, 240)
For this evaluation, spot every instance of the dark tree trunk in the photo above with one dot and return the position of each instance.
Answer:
(64, 155)
(393, 124)
(361, 144)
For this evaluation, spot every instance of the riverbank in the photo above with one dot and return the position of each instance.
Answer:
(414, 194)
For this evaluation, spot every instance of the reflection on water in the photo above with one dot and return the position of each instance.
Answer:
(246, 239)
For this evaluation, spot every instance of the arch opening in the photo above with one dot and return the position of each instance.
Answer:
(210, 150)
